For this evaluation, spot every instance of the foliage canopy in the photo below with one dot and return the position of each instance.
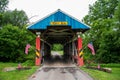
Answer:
(13, 41)
(104, 19)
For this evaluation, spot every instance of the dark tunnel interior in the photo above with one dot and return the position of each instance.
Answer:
(59, 35)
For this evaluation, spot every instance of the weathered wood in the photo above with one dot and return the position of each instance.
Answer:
(23, 68)
(6, 69)
(109, 70)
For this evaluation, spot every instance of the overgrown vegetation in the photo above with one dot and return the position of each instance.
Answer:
(13, 41)
(57, 47)
(104, 20)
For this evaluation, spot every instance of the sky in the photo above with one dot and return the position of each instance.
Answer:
(37, 9)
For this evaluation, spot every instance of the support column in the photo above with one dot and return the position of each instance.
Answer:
(43, 53)
(80, 60)
(38, 54)
(73, 54)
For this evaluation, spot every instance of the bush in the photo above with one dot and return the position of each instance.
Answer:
(12, 43)
(29, 63)
(57, 47)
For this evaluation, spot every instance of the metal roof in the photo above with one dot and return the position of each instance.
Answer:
(58, 16)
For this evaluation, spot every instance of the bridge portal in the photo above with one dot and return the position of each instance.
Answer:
(59, 27)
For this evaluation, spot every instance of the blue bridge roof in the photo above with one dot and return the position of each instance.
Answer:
(58, 18)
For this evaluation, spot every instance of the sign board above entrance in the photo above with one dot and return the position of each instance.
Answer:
(59, 23)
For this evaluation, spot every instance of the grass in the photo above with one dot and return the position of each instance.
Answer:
(16, 74)
(60, 52)
(100, 75)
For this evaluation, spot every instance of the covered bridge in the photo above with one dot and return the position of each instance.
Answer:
(62, 28)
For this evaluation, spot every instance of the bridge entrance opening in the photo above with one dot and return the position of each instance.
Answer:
(58, 37)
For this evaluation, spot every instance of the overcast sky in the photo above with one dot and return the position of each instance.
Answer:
(41, 8)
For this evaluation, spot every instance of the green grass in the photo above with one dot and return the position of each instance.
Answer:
(60, 52)
(100, 75)
(16, 74)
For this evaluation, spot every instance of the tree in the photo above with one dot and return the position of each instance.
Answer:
(103, 32)
(102, 9)
(57, 47)
(16, 18)
(12, 43)
(3, 5)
